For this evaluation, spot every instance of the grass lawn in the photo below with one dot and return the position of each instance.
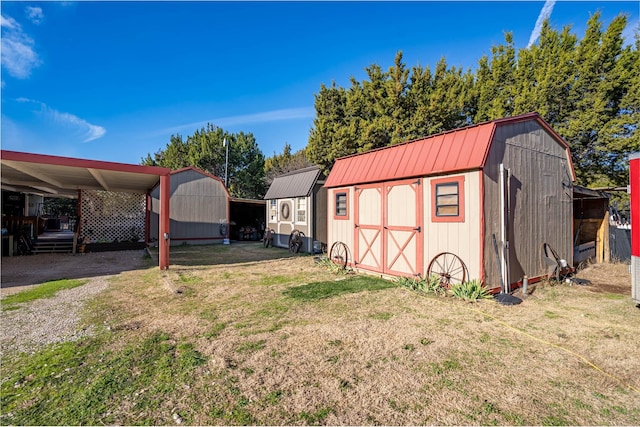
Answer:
(240, 334)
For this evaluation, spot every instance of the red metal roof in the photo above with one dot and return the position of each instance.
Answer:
(452, 151)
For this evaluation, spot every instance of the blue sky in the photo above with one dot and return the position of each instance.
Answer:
(114, 80)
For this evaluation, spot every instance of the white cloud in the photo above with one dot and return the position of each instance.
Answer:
(545, 13)
(34, 14)
(85, 130)
(263, 117)
(18, 54)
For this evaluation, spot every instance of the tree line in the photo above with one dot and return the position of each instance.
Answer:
(587, 89)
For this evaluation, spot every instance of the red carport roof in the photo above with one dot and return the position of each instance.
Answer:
(64, 176)
(452, 151)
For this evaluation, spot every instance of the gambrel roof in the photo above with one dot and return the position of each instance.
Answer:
(453, 151)
(294, 184)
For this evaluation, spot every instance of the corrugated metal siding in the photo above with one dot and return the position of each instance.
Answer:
(294, 184)
(319, 202)
(460, 238)
(198, 206)
(453, 151)
(458, 150)
(541, 200)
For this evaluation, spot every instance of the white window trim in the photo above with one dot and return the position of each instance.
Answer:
(306, 210)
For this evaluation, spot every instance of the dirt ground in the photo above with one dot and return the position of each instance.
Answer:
(567, 355)
(21, 272)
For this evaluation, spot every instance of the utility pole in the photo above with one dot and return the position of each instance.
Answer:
(226, 163)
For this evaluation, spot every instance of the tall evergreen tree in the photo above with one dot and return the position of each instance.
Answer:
(279, 164)
(587, 89)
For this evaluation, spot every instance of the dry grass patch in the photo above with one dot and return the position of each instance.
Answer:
(284, 341)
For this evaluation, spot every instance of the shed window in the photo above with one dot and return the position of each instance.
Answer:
(273, 210)
(341, 205)
(301, 209)
(448, 199)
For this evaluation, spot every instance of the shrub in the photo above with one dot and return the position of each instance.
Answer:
(470, 291)
(430, 285)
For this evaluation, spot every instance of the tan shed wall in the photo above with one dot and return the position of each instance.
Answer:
(541, 200)
(340, 230)
(198, 206)
(460, 238)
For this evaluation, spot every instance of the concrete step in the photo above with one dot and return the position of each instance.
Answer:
(52, 247)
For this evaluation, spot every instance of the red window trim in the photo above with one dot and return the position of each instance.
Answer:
(335, 204)
(448, 180)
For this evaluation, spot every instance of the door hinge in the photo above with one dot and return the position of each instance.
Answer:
(418, 229)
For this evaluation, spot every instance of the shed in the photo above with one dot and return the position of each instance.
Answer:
(199, 208)
(298, 201)
(479, 202)
(247, 218)
(591, 225)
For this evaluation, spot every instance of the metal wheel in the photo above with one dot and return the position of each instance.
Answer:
(295, 241)
(267, 239)
(339, 254)
(449, 267)
(557, 268)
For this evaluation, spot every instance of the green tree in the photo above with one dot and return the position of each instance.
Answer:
(279, 164)
(329, 138)
(495, 82)
(205, 150)
(603, 78)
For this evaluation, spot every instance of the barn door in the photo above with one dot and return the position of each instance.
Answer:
(388, 228)
(368, 227)
(403, 228)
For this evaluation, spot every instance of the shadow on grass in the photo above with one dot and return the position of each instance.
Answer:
(331, 288)
(235, 253)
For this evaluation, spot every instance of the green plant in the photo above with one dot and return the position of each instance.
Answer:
(429, 285)
(470, 291)
(332, 266)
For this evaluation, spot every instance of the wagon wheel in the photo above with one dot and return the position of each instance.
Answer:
(295, 241)
(339, 254)
(449, 268)
(267, 239)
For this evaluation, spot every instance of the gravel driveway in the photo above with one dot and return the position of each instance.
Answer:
(51, 320)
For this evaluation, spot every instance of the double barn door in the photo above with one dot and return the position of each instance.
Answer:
(388, 227)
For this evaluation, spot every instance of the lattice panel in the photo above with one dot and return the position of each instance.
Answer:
(109, 217)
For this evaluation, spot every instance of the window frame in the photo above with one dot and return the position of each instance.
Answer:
(298, 210)
(342, 192)
(273, 210)
(435, 183)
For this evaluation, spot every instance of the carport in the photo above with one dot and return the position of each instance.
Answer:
(66, 176)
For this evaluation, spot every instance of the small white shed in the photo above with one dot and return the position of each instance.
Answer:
(298, 201)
